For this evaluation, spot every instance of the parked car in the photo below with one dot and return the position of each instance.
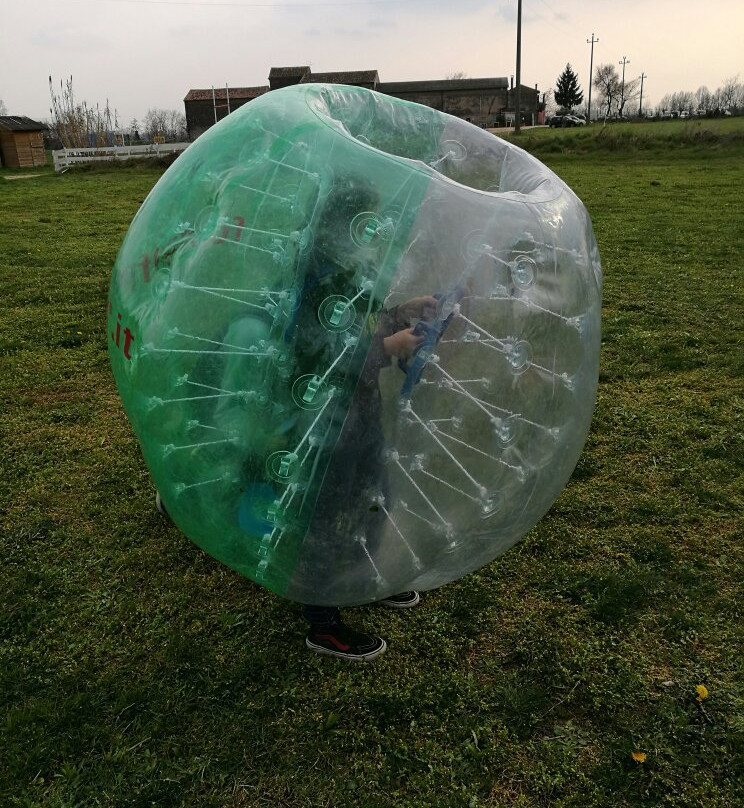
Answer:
(566, 120)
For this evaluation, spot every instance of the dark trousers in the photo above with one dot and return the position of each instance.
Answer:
(321, 615)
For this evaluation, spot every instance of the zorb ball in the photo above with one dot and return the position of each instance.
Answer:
(250, 313)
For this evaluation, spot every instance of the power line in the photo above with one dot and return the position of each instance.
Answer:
(311, 5)
(557, 20)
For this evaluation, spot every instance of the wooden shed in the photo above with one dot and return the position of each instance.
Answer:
(21, 142)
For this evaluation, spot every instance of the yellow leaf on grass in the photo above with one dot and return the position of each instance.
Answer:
(702, 692)
(639, 757)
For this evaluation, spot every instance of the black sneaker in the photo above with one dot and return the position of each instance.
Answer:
(341, 641)
(405, 600)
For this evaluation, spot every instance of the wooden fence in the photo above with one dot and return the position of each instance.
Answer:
(64, 158)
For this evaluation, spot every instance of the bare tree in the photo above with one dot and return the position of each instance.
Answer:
(608, 84)
(177, 126)
(164, 123)
(664, 105)
(630, 92)
(153, 124)
(731, 95)
(458, 74)
(703, 100)
(550, 105)
(728, 99)
(686, 101)
(680, 101)
(739, 99)
(3, 108)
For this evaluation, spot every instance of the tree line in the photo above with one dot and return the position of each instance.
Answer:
(618, 98)
(727, 98)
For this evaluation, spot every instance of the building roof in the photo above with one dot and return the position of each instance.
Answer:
(221, 93)
(288, 72)
(344, 77)
(19, 123)
(283, 76)
(442, 85)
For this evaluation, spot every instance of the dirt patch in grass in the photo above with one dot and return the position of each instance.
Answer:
(20, 176)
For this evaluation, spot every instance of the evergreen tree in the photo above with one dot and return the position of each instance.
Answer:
(567, 91)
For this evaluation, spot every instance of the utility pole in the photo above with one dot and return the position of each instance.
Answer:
(624, 62)
(640, 105)
(591, 69)
(517, 101)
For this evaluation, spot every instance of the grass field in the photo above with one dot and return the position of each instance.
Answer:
(652, 136)
(136, 671)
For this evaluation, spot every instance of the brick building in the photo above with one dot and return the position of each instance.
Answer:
(485, 102)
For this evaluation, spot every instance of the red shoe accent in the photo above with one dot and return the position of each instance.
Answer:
(331, 638)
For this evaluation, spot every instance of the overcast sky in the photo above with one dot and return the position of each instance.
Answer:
(141, 54)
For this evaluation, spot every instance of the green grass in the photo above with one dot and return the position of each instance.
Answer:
(705, 135)
(136, 671)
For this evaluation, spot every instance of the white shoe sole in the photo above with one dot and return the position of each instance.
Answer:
(319, 649)
(159, 505)
(391, 604)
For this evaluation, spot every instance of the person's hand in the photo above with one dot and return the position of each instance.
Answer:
(418, 308)
(402, 344)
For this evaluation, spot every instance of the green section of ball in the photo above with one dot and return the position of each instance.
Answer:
(243, 302)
